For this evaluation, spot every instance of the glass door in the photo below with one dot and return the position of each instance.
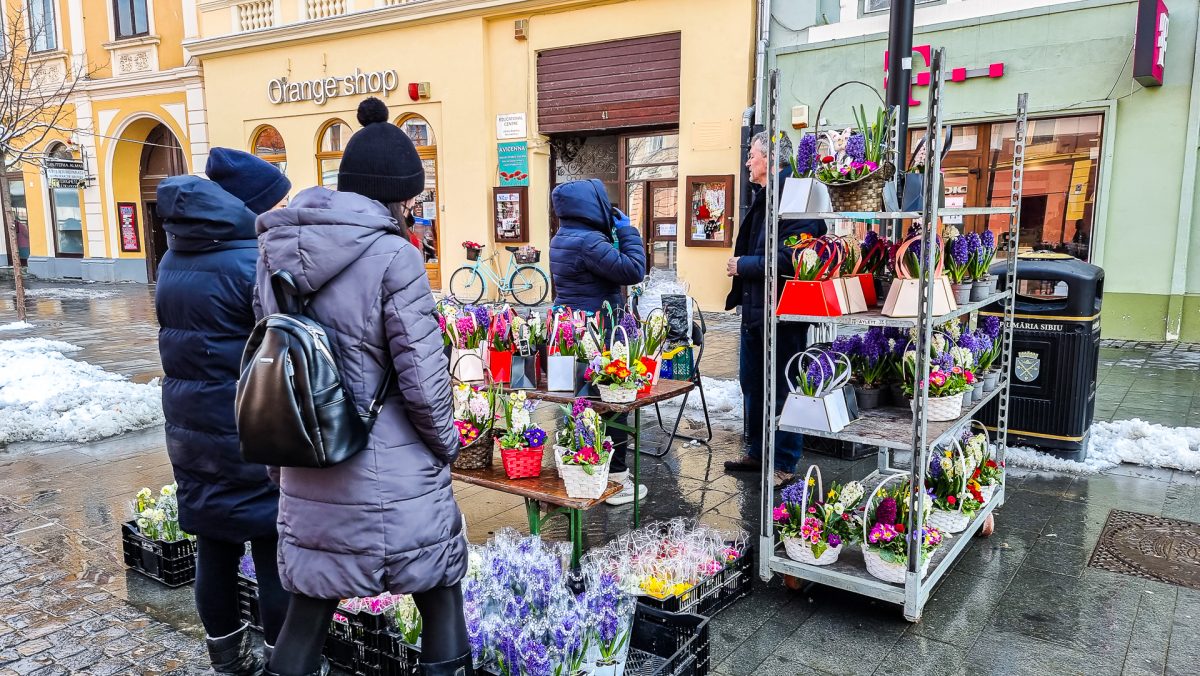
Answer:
(662, 225)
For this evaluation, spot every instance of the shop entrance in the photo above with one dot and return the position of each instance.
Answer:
(161, 157)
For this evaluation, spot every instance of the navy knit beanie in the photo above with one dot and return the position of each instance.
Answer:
(257, 183)
(380, 161)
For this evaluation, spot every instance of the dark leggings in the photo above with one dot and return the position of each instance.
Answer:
(443, 633)
(216, 586)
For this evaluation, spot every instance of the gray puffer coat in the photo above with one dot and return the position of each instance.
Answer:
(386, 519)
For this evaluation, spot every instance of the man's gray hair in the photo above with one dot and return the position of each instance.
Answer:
(783, 147)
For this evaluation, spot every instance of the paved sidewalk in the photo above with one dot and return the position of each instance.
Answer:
(1021, 602)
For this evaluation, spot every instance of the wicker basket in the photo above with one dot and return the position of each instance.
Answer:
(949, 522)
(584, 486)
(473, 253)
(615, 394)
(799, 549)
(864, 194)
(477, 454)
(888, 571)
(522, 463)
(943, 409)
(558, 459)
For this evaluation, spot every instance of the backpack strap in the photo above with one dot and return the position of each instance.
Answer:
(287, 296)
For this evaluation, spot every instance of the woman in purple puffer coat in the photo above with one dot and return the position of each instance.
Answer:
(385, 520)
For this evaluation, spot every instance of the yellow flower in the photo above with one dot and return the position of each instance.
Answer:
(811, 481)
(832, 493)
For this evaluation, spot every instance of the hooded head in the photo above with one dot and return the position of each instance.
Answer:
(585, 203)
(257, 183)
(380, 160)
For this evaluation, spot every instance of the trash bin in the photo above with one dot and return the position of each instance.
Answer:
(1056, 351)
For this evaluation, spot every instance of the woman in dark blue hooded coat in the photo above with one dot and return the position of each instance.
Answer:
(204, 301)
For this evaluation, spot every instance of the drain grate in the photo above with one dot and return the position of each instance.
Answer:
(1150, 547)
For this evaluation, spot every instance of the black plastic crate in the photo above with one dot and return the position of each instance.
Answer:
(371, 662)
(171, 563)
(845, 450)
(713, 595)
(339, 646)
(248, 602)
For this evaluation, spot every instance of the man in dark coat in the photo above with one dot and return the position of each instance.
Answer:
(748, 270)
(594, 253)
(204, 303)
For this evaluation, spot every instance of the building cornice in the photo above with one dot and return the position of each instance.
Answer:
(370, 20)
(175, 79)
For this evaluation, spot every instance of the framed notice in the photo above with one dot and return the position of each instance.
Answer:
(131, 236)
(510, 213)
(710, 201)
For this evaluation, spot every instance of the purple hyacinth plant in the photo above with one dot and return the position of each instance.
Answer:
(856, 148)
(806, 155)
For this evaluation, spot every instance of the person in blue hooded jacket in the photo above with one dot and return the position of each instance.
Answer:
(204, 301)
(594, 253)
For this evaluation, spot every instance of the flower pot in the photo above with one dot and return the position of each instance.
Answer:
(616, 394)
(943, 409)
(868, 397)
(522, 463)
(897, 392)
(979, 289)
(962, 292)
(991, 380)
(949, 522)
(888, 571)
(799, 549)
(882, 286)
(477, 454)
(584, 486)
(993, 282)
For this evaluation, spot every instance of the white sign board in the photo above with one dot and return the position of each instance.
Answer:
(511, 126)
(954, 202)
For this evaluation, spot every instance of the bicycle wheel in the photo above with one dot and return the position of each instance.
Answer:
(467, 285)
(528, 285)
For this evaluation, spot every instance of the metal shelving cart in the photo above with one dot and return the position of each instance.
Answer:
(895, 429)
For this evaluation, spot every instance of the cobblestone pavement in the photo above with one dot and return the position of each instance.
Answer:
(1021, 602)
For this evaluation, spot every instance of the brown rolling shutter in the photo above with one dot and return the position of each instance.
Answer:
(609, 85)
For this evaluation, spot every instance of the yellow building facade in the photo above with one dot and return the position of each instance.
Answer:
(86, 206)
(504, 99)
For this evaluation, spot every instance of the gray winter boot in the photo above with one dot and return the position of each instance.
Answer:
(232, 654)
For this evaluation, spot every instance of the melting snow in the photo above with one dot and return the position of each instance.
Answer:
(724, 404)
(1125, 441)
(15, 326)
(61, 293)
(46, 396)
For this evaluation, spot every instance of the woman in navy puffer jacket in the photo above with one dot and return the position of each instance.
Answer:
(204, 301)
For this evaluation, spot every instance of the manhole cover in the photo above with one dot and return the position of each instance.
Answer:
(1150, 547)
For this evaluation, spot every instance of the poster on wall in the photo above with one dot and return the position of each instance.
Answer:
(513, 161)
(709, 202)
(131, 239)
(510, 215)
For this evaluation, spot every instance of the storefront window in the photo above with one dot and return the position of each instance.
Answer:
(651, 177)
(66, 213)
(329, 153)
(268, 145)
(19, 214)
(425, 213)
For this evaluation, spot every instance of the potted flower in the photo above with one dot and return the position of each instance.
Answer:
(815, 527)
(474, 415)
(958, 268)
(466, 332)
(473, 249)
(868, 363)
(501, 332)
(612, 375)
(585, 451)
(990, 346)
(982, 249)
(855, 169)
(522, 443)
(885, 533)
(947, 384)
(954, 504)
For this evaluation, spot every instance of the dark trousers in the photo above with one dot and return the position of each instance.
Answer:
(443, 630)
(216, 586)
(789, 446)
(621, 442)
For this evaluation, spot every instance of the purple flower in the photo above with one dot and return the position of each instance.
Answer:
(482, 317)
(246, 567)
(630, 325)
(817, 373)
(535, 437)
(944, 361)
(958, 251)
(847, 345)
(885, 513)
(935, 467)
(580, 405)
(991, 326)
(988, 241)
(856, 148)
(969, 342)
(535, 658)
(869, 240)
(973, 243)
(806, 154)
(474, 631)
(834, 540)
(794, 494)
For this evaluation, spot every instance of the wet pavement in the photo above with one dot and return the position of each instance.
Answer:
(1021, 602)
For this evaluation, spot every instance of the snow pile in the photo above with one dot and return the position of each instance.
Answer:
(1134, 441)
(63, 293)
(724, 399)
(46, 396)
(15, 326)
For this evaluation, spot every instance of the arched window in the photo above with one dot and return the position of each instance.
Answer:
(426, 210)
(267, 144)
(66, 210)
(331, 141)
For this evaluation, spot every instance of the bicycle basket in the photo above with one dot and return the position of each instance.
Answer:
(473, 254)
(528, 254)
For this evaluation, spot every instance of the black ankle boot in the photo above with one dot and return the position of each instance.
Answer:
(232, 654)
(463, 666)
(322, 670)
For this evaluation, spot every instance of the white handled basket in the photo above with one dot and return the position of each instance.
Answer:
(876, 566)
(942, 409)
(799, 549)
(584, 486)
(989, 453)
(615, 394)
(954, 521)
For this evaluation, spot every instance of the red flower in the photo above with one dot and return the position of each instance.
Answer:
(899, 528)
(975, 474)
(952, 500)
(976, 494)
(827, 159)
(990, 464)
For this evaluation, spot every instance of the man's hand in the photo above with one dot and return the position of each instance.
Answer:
(731, 267)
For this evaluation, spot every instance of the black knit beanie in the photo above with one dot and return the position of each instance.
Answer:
(380, 161)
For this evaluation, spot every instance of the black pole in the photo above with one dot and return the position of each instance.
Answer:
(900, 36)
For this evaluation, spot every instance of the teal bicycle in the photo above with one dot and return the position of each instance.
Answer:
(523, 280)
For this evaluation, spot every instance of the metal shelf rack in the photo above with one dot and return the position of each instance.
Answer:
(891, 429)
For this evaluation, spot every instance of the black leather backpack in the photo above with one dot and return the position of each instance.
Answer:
(292, 409)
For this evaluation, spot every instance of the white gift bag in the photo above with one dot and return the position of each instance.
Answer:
(466, 365)
(560, 373)
(804, 195)
(827, 410)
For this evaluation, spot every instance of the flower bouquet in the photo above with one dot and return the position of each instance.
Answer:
(522, 443)
(818, 399)
(885, 532)
(501, 337)
(813, 529)
(473, 249)
(954, 502)
(982, 249)
(474, 417)
(154, 543)
(618, 373)
(987, 473)
(465, 330)
(947, 382)
(585, 452)
(812, 291)
(855, 169)
(958, 258)
(903, 297)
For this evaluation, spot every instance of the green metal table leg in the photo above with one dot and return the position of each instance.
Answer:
(637, 466)
(534, 513)
(576, 527)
